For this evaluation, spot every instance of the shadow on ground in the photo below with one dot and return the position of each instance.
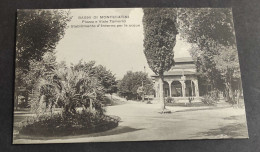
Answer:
(115, 131)
(234, 130)
(206, 108)
(118, 130)
(195, 104)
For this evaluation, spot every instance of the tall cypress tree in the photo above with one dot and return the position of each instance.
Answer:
(160, 30)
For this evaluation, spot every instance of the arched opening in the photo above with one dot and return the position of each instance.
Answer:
(166, 89)
(176, 89)
(190, 88)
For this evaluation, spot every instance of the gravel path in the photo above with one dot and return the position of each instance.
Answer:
(140, 121)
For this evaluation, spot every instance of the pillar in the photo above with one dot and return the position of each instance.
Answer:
(170, 87)
(183, 87)
(196, 87)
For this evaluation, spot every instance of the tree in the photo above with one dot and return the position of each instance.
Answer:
(211, 31)
(38, 32)
(140, 92)
(68, 88)
(131, 82)
(38, 70)
(41, 73)
(160, 30)
(201, 25)
(79, 89)
(206, 28)
(228, 65)
(145, 89)
(107, 79)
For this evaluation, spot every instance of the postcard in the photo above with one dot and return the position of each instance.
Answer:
(127, 74)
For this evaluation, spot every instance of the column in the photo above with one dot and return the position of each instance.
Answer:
(193, 90)
(183, 87)
(156, 88)
(170, 87)
(196, 87)
(183, 78)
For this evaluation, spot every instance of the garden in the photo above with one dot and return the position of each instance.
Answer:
(69, 101)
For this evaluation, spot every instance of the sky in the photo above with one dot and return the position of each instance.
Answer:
(119, 49)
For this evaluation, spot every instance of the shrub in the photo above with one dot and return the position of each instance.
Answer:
(24, 104)
(107, 101)
(128, 86)
(69, 88)
(209, 99)
(170, 100)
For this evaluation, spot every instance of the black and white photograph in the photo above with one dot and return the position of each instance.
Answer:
(127, 74)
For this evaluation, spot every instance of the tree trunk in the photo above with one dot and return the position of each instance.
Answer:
(16, 101)
(26, 100)
(230, 93)
(90, 104)
(238, 95)
(239, 88)
(161, 92)
(227, 93)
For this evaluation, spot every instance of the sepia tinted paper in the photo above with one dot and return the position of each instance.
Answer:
(127, 74)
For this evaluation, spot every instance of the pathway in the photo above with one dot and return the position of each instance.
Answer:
(140, 121)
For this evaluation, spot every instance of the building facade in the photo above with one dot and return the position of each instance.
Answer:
(180, 81)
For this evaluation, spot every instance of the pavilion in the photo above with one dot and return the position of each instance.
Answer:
(180, 81)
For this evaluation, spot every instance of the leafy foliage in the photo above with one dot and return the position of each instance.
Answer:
(78, 89)
(71, 87)
(211, 98)
(128, 86)
(38, 32)
(49, 84)
(59, 125)
(108, 80)
(211, 32)
(207, 29)
(227, 62)
(203, 25)
(105, 76)
(80, 97)
(160, 30)
(159, 38)
(170, 100)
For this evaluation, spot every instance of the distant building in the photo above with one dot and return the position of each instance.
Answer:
(180, 81)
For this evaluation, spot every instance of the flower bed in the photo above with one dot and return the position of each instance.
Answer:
(58, 125)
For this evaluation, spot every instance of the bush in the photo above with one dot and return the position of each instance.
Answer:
(128, 86)
(170, 100)
(209, 99)
(58, 125)
(107, 101)
(24, 104)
